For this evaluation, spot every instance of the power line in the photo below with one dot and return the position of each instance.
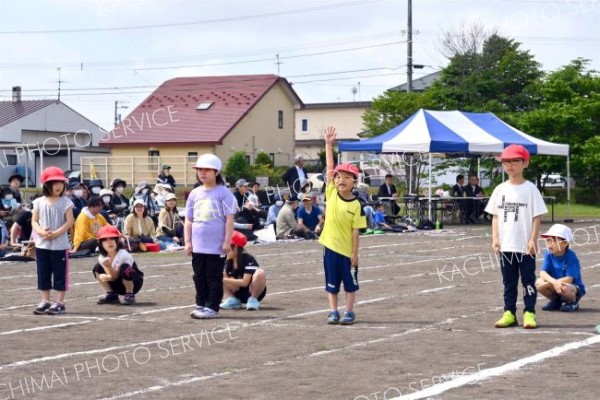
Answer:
(200, 22)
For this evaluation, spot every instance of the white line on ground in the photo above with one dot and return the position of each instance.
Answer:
(41, 328)
(499, 371)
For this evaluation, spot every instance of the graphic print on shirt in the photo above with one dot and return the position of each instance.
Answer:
(510, 208)
(204, 210)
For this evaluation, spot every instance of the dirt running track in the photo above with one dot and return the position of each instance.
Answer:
(426, 309)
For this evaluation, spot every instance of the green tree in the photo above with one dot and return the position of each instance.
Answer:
(237, 167)
(590, 160)
(263, 158)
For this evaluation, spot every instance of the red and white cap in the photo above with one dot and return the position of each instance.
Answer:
(53, 174)
(347, 167)
(515, 151)
(560, 231)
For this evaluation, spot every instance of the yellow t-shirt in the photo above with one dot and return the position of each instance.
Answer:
(86, 228)
(341, 218)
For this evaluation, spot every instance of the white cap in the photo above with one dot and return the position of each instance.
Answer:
(106, 192)
(253, 200)
(559, 230)
(208, 161)
(139, 201)
(170, 196)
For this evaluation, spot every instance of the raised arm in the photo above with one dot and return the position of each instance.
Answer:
(330, 135)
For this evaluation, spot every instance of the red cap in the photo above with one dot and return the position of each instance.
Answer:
(108, 232)
(53, 174)
(347, 167)
(239, 239)
(515, 151)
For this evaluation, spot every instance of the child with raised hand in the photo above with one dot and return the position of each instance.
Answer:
(210, 209)
(243, 280)
(560, 277)
(116, 270)
(52, 217)
(517, 207)
(344, 217)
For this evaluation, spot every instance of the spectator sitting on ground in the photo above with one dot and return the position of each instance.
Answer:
(77, 197)
(139, 227)
(10, 205)
(250, 216)
(14, 182)
(274, 210)
(263, 199)
(4, 239)
(243, 280)
(168, 188)
(382, 224)
(142, 192)
(87, 225)
(166, 177)
(21, 229)
(309, 216)
(363, 197)
(560, 278)
(95, 187)
(120, 203)
(294, 175)
(287, 226)
(241, 192)
(107, 209)
(170, 226)
(158, 194)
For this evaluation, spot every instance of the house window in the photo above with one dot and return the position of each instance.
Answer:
(304, 125)
(280, 119)
(247, 158)
(192, 156)
(272, 156)
(153, 159)
(11, 159)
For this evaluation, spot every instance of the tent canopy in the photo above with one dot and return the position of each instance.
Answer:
(429, 131)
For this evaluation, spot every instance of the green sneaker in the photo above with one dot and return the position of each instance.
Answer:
(529, 321)
(597, 328)
(508, 319)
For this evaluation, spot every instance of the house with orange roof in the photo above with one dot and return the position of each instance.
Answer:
(186, 117)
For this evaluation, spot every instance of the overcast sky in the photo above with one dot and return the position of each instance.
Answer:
(122, 50)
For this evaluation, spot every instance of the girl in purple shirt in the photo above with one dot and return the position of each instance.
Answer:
(210, 209)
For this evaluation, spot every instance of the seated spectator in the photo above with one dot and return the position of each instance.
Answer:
(263, 199)
(560, 278)
(458, 190)
(142, 192)
(116, 270)
(250, 216)
(4, 239)
(95, 187)
(14, 182)
(243, 280)
(309, 216)
(168, 188)
(158, 194)
(107, 209)
(363, 197)
(170, 226)
(21, 229)
(388, 191)
(87, 225)
(287, 226)
(10, 205)
(120, 203)
(475, 207)
(274, 210)
(241, 192)
(77, 197)
(139, 227)
(382, 223)
(166, 177)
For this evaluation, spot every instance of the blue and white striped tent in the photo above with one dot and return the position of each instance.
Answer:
(456, 132)
(453, 132)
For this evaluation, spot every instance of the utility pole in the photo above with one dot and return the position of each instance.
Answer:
(117, 115)
(278, 62)
(409, 61)
(59, 82)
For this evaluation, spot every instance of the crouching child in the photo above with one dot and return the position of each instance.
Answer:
(116, 270)
(560, 278)
(243, 280)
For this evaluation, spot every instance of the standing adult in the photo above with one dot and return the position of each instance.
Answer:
(387, 189)
(295, 176)
(165, 176)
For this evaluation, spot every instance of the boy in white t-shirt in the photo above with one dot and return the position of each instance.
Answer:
(517, 207)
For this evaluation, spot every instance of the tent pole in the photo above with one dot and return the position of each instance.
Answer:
(568, 219)
(410, 167)
(429, 208)
(479, 168)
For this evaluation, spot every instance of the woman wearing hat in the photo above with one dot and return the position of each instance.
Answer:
(120, 203)
(170, 227)
(165, 176)
(116, 270)
(139, 227)
(142, 192)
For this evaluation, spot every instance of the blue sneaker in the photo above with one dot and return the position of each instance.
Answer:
(333, 318)
(252, 304)
(349, 318)
(553, 305)
(231, 303)
(570, 307)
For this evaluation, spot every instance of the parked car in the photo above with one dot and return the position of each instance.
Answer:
(556, 181)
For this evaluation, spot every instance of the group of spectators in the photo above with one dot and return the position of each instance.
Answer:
(471, 208)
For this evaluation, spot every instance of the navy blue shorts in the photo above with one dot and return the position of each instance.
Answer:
(52, 269)
(337, 270)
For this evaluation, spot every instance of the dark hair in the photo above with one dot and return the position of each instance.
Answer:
(144, 215)
(47, 188)
(459, 177)
(101, 248)
(389, 176)
(95, 201)
(174, 208)
(219, 179)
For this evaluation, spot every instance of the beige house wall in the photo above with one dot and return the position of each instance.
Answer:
(259, 130)
(347, 121)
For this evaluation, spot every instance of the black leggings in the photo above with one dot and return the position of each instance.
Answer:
(208, 279)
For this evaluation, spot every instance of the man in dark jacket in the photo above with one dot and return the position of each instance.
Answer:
(295, 176)
(387, 189)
